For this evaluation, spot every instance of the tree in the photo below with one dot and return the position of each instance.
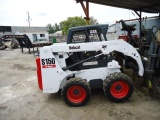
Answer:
(50, 28)
(56, 27)
(93, 21)
(53, 29)
(74, 22)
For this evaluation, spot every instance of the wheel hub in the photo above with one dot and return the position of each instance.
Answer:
(76, 92)
(118, 87)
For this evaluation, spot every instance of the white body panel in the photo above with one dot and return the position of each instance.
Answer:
(54, 78)
(51, 77)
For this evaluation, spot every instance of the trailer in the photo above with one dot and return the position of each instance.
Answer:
(25, 42)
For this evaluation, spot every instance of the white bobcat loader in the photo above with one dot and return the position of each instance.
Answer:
(86, 62)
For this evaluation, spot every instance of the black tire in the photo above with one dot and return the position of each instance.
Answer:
(118, 87)
(76, 92)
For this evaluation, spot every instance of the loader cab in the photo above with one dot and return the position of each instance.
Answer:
(86, 34)
(90, 33)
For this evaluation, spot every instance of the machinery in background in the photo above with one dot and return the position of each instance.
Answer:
(148, 46)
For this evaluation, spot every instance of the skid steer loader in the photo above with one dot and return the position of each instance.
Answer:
(83, 63)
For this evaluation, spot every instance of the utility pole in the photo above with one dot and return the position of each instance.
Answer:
(28, 18)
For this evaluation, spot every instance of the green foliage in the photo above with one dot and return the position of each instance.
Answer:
(50, 28)
(53, 29)
(72, 22)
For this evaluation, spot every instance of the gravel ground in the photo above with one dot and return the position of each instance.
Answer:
(21, 99)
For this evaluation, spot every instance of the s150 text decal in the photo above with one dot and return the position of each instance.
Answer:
(48, 63)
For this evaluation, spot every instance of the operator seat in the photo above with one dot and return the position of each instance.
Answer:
(129, 29)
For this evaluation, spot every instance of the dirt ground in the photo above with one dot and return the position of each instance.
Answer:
(21, 99)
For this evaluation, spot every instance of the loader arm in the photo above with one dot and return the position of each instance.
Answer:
(105, 46)
(126, 49)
